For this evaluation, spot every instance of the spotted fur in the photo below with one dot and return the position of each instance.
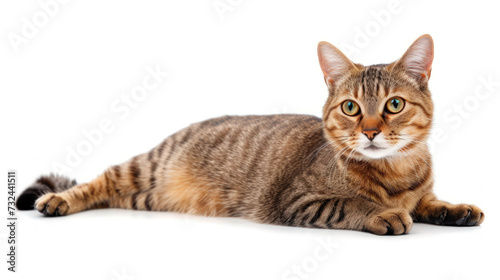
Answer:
(293, 170)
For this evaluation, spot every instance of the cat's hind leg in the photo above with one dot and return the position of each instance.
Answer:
(131, 185)
(121, 186)
(96, 194)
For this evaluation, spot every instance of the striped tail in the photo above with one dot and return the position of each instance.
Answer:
(45, 184)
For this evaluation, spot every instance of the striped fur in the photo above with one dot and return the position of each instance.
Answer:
(293, 170)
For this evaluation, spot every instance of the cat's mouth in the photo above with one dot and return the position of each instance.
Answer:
(377, 149)
(373, 147)
(372, 150)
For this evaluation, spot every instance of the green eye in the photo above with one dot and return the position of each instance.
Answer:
(395, 105)
(350, 108)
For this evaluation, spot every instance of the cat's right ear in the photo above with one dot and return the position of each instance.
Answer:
(334, 63)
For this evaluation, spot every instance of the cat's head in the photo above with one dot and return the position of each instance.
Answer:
(378, 111)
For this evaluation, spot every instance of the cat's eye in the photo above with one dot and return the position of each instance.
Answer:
(350, 108)
(395, 105)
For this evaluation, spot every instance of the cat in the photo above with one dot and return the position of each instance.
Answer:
(364, 165)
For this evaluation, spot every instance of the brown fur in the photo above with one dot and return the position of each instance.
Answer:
(294, 170)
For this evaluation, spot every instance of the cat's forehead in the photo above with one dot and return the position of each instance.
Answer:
(371, 81)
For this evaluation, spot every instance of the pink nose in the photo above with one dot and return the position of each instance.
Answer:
(371, 133)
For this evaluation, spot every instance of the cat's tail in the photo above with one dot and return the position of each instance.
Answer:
(45, 184)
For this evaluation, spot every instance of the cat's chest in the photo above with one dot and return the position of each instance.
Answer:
(403, 191)
(390, 188)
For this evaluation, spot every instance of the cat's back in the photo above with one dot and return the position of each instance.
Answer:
(271, 122)
(253, 133)
(250, 145)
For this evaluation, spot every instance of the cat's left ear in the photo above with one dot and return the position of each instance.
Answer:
(417, 60)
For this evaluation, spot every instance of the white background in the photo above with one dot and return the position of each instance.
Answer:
(259, 57)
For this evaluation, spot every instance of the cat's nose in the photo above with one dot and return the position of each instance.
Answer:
(371, 133)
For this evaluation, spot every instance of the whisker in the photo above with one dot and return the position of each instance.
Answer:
(315, 153)
(335, 159)
(347, 160)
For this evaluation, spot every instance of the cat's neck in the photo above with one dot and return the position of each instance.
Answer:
(416, 160)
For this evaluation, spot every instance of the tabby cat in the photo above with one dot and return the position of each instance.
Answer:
(364, 165)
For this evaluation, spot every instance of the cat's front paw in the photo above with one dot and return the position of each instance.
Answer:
(52, 205)
(458, 215)
(393, 221)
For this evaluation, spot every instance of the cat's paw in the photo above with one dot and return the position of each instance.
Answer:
(393, 221)
(52, 205)
(458, 215)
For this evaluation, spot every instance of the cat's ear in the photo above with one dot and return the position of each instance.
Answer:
(333, 62)
(417, 60)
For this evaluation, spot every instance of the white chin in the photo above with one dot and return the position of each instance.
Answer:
(376, 154)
